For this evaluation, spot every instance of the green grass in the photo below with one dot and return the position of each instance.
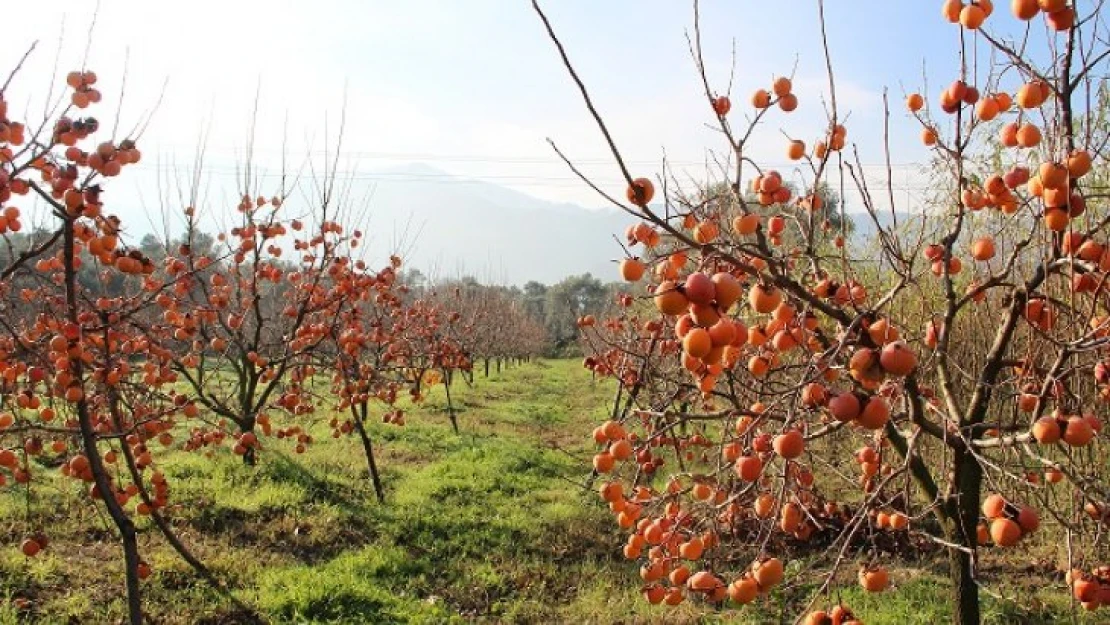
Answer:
(490, 525)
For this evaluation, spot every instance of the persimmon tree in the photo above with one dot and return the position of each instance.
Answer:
(946, 391)
(84, 386)
(436, 351)
(388, 345)
(393, 342)
(494, 325)
(244, 323)
(362, 345)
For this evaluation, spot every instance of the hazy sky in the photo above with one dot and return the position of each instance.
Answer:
(474, 87)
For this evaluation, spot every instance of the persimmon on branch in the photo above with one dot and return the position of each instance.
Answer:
(760, 348)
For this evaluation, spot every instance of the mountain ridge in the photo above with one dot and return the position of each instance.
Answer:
(449, 226)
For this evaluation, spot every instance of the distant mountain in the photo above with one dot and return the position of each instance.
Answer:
(448, 226)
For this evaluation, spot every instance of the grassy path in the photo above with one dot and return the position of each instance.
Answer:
(486, 526)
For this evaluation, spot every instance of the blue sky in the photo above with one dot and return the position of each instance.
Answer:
(475, 87)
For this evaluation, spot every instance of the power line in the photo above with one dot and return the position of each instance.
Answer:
(516, 181)
(431, 177)
(429, 157)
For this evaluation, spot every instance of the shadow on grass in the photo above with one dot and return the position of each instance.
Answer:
(321, 518)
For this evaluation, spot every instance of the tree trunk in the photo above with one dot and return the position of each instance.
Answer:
(962, 530)
(131, 564)
(368, 450)
(167, 532)
(119, 517)
(487, 367)
(100, 474)
(450, 406)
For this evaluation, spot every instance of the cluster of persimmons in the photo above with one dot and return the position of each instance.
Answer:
(762, 350)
